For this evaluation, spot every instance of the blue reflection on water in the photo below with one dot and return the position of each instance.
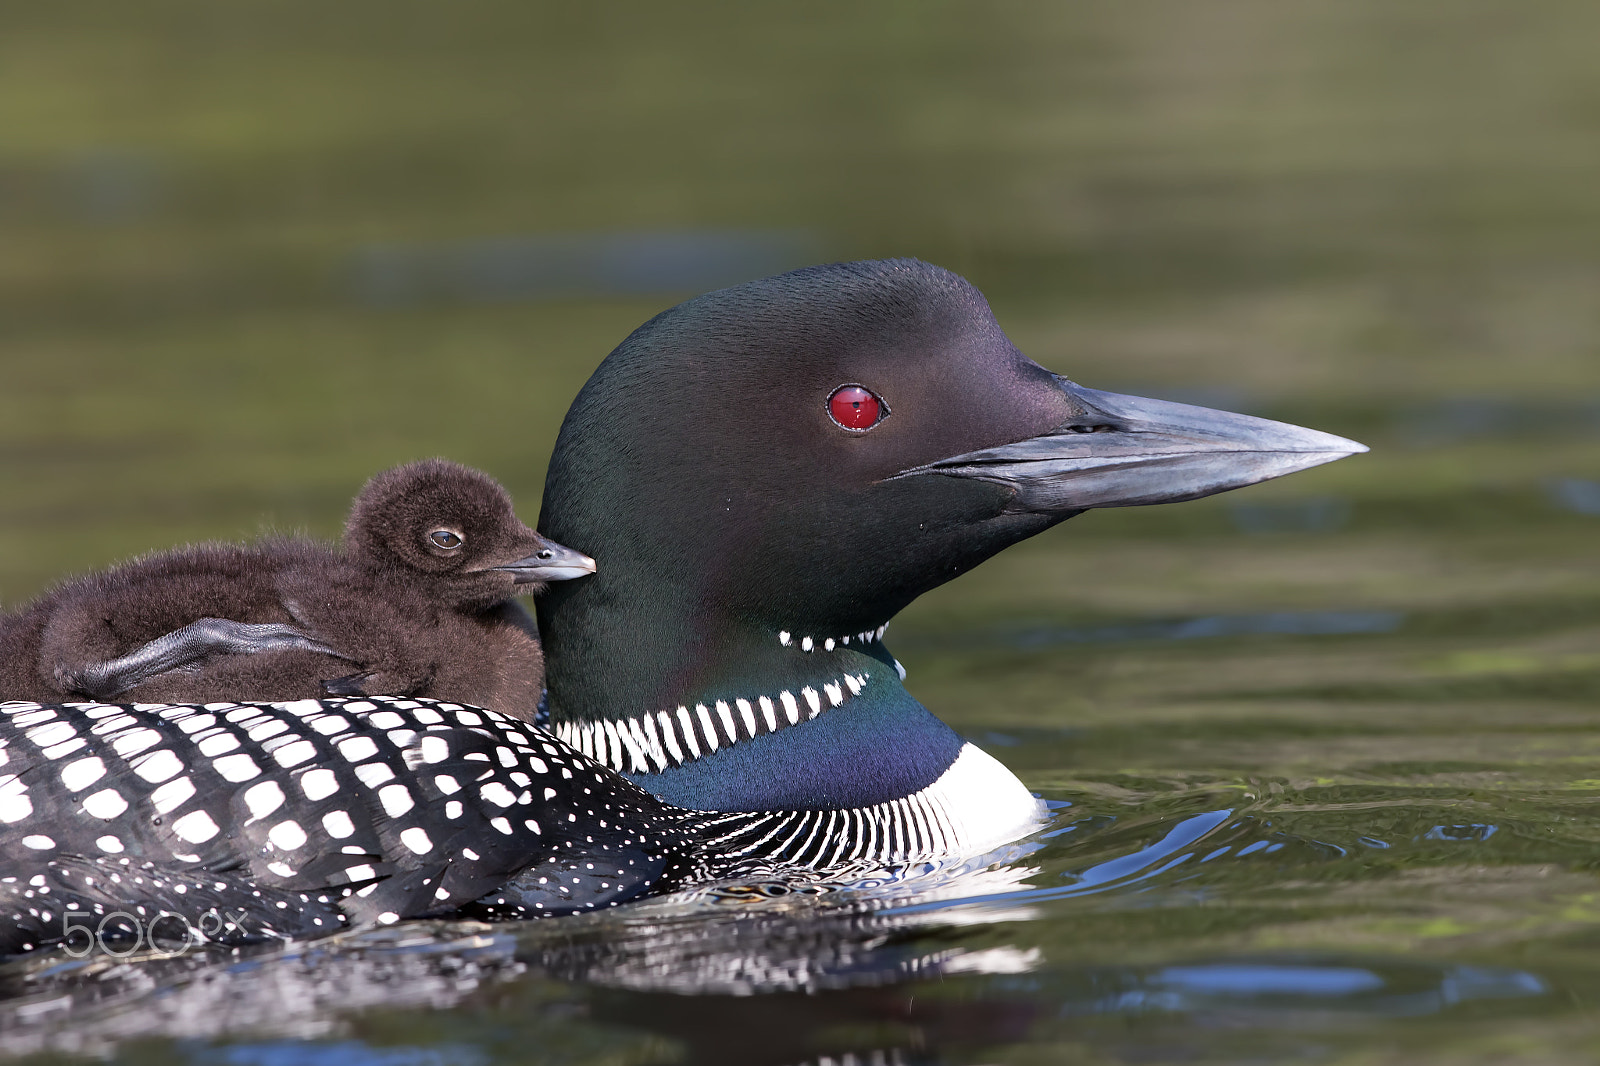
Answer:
(1474, 832)
(1238, 979)
(1403, 989)
(1147, 862)
(345, 1053)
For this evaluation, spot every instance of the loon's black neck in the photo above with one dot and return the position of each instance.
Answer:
(723, 713)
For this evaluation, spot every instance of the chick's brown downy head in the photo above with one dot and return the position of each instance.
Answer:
(454, 526)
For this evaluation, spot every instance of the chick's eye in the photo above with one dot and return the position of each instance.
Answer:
(445, 538)
(856, 409)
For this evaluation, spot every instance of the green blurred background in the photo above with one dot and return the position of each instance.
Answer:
(251, 253)
(1339, 212)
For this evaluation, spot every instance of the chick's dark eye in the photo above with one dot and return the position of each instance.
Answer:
(445, 538)
(856, 409)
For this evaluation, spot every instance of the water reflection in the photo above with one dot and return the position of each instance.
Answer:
(512, 1011)
(93, 1006)
(1288, 987)
(898, 969)
(718, 942)
(1475, 833)
(344, 1053)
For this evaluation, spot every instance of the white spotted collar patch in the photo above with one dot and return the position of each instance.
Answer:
(808, 643)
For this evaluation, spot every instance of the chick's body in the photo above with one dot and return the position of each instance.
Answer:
(418, 601)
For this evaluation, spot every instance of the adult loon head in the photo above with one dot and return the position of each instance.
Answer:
(770, 472)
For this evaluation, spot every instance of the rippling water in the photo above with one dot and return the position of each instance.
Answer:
(1235, 870)
(1322, 755)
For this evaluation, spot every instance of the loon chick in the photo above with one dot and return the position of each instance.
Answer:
(769, 473)
(419, 601)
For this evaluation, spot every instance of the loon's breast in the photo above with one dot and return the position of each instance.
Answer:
(880, 779)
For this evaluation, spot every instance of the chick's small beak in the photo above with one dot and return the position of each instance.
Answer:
(552, 562)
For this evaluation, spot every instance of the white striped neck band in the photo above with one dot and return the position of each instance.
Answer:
(654, 741)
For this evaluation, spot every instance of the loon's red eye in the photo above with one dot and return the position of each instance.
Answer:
(856, 409)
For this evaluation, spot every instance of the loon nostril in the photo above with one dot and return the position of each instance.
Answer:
(547, 554)
(1098, 427)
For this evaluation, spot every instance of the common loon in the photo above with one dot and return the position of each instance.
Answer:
(766, 474)
(417, 601)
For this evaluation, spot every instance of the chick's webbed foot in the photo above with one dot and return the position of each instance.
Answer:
(348, 685)
(374, 683)
(195, 643)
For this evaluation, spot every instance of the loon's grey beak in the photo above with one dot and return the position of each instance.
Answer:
(1125, 451)
(550, 563)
